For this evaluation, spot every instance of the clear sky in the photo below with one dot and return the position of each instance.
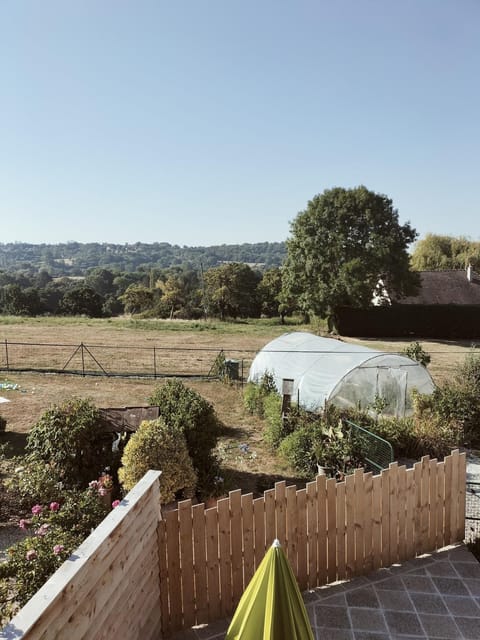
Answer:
(200, 122)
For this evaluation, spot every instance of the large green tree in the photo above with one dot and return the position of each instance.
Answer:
(344, 242)
(434, 253)
(231, 291)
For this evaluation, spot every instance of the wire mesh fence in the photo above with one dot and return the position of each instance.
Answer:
(123, 360)
(472, 511)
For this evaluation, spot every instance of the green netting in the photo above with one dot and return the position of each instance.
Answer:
(376, 452)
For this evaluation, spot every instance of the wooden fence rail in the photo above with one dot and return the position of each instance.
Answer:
(144, 574)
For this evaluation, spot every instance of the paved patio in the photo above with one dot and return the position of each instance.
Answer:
(434, 596)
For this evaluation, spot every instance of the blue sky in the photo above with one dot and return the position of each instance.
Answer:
(205, 122)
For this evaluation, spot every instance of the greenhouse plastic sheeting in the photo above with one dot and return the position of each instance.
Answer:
(325, 370)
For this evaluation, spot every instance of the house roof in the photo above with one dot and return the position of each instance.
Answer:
(445, 287)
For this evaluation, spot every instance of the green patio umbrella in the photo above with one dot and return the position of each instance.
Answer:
(271, 607)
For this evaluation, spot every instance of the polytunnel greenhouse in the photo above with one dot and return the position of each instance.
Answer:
(326, 371)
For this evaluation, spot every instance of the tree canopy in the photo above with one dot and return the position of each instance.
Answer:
(435, 252)
(341, 245)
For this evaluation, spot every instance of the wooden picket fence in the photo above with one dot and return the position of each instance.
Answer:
(146, 574)
(330, 531)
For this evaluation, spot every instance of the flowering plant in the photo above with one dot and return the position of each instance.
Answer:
(56, 529)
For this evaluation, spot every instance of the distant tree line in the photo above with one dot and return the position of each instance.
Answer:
(232, 290)
(75, 258)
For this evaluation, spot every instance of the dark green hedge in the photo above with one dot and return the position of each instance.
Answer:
(422, 321)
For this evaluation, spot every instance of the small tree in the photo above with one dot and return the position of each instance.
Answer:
(157, 445)
(191, 415)
(415, 351)
(68, 437)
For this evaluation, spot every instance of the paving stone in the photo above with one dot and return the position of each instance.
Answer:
(462, 606)
(392, 584)
(369, 635)
(335, 634)
(367, 619)
(444, 568)
(468, 570)
(462, 554)
(365, 597)
(394, 600)
(337, 600)
(403, 622)
(450, 586)
(418, 584)
(429, 603)
(332, 617)
(470, 627)
(473, 586)
(439, 626)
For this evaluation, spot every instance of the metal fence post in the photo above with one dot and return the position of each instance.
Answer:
(6, 354)
(83, 361)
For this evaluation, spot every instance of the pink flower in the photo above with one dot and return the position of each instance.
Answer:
(93, 484)
(42, 529)
(102, 491)
(57, 549)
(23, 524)
(54, 506)
(115, 503)
(36, 509)
(31, 554)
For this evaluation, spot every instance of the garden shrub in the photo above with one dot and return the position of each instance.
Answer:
(277, 428)
(415, 351)
(469, 372)
(186, 411)
(69, 438)
(34, 480)
(255, 394)
(158, 445)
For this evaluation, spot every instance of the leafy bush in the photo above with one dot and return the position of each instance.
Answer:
(185, 411)
(34, 480)
(469, 372)
(255, 394)
(416, 352)
(158, 445)
(69, 439)
(277, 427)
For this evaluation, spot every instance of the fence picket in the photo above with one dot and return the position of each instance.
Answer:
(173, 560)
(280, 511)
(359, 520)
(292, 523)
(213, 564)
(393, 510)
(225, 558)
(350, 525)
(377, 521)
(432, 505)
(322, 528)
(236, 543)
(186, 561)
(248, 541)
(367, 519)
(312, 533)
(200, 563)
(331, 530)
(259, 529)
(302, 538)
(341, 532)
